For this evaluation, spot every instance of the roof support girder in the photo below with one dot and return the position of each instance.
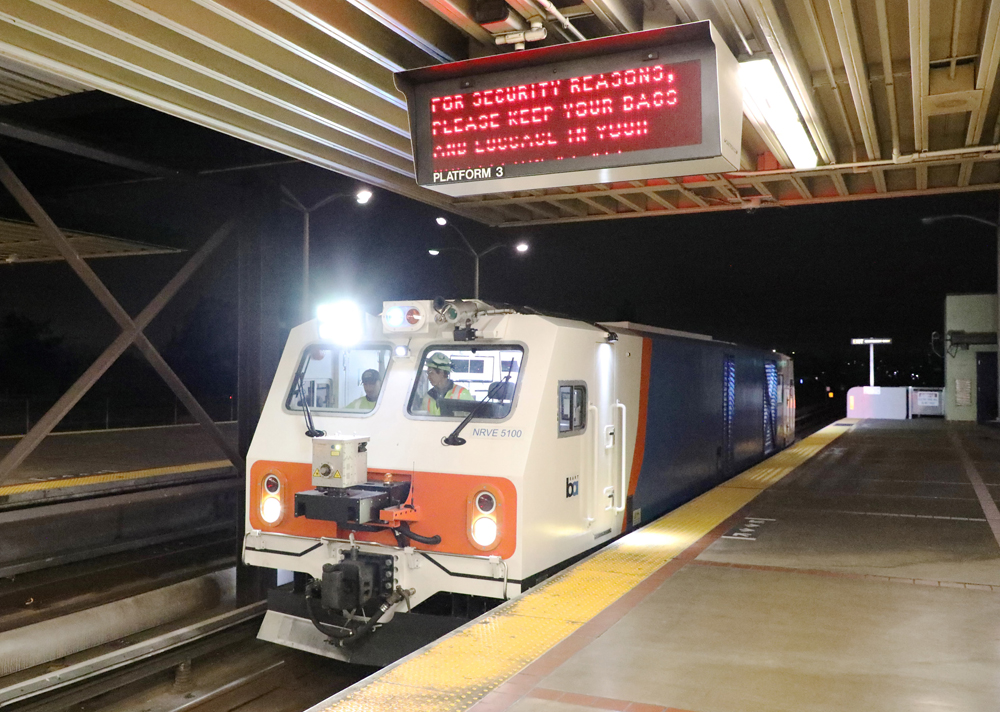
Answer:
(352, 27)
(919, 13)
(419, 26)
(86, 58)
(459, 14)
(852, 51)
(986, 74)
(617, 15)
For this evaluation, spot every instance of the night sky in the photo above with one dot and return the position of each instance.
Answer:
(803, 279)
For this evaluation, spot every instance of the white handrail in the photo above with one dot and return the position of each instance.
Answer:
(620, 437)
(592, 416)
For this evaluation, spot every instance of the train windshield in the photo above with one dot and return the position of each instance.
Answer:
(334, 379)
(454, 380)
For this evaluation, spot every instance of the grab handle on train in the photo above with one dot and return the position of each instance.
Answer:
(594, 416)
(621, 442)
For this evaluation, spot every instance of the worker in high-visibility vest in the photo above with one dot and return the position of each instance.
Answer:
(371, 381)
(442, 387)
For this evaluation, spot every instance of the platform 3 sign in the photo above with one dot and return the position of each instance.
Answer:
(651, 104)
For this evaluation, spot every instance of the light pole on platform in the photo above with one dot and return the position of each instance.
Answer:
(521, 248)
(871, 354)
(362, 196)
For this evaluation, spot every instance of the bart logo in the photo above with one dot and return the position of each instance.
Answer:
(572, 486)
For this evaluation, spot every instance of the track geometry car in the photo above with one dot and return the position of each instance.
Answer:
(450, 448)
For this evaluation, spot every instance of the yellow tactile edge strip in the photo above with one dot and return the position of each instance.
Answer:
(455, 672)
(110, 477)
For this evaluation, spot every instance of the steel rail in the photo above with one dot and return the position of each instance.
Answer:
(116, 660)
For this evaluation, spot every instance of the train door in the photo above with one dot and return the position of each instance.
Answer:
(605, 496)
(728, 451)
(771, 391)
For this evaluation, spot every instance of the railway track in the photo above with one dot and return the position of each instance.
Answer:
(214, 664)
(813, 417)
(209, 664)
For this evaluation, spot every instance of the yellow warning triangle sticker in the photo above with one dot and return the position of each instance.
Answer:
(337, 474)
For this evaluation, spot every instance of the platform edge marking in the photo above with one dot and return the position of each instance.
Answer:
(452, 661)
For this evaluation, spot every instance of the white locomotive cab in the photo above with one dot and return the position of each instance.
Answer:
(496, 446)
(513, 494)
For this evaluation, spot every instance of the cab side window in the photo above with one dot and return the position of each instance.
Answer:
(572, 408)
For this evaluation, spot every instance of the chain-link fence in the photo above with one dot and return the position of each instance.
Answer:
(96, 412)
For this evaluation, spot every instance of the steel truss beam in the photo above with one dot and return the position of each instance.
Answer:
(132, 331)
(928, 172)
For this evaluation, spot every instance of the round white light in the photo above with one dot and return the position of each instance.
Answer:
(484, 531)
(270, 509)
(522, 247)
(441, 221)
(401, 351)
(341, 322)
(363, 196)
(394, 317)
(433, 253)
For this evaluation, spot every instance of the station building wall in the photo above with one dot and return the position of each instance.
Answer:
(970, 313)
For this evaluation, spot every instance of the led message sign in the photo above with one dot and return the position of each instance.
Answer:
(651, 104)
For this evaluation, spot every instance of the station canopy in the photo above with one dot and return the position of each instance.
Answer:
(25, 242)
(892, 97)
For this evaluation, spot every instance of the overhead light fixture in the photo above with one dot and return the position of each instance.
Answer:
(441, 221)
(767, 101)
(522, 247)
(433, 253)
(363, 196)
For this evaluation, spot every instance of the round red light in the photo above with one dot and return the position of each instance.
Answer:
(271, 484)
(485, 502)
(413, 316)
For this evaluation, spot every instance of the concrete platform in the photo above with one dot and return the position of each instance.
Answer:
(862, 573)
(68, 464)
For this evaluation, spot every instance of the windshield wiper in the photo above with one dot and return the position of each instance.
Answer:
(311, 430)
(453, 439)
(494, 388)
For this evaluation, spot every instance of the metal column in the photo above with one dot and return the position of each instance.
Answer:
(252, 582)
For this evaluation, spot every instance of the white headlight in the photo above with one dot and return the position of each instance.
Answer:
(484, 531)
(341, 322)
(270, 509)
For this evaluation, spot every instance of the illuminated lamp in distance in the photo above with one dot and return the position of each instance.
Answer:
(522, 247)
(363, 196)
